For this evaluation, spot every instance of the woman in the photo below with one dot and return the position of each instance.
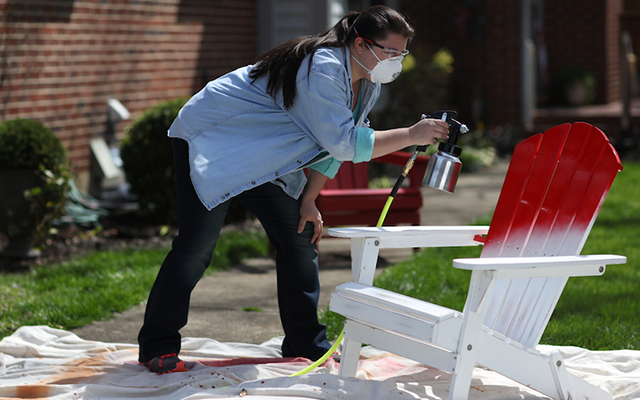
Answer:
(248, 135)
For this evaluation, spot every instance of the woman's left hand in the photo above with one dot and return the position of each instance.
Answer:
(310, 213)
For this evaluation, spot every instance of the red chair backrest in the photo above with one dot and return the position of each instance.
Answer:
(554, 189)
(350, 176)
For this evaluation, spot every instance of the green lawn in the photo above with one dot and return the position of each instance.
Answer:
(595, 313)
(78, 292)
(598, 313)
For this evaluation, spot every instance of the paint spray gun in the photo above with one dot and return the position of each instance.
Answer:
(444, 166)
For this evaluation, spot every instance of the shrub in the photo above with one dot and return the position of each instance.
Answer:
(147, 158)
(29, 145)
(423, 87)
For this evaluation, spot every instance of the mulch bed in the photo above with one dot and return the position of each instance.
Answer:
(114, 233)
(72, 241)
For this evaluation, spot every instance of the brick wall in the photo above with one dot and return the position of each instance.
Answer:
(484, 36)
(586, 34)
(484, 39)
(614, 9)
(66, 58)
(502, 67)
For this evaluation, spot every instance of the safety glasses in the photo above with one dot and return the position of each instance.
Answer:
(387, 51)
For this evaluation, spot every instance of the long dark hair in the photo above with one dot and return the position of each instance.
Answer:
(281, 63)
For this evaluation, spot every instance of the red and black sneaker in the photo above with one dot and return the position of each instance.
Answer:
(166, 363)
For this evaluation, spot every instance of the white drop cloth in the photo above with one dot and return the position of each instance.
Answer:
(42, 362)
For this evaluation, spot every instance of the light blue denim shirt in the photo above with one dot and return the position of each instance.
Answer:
(239, 137)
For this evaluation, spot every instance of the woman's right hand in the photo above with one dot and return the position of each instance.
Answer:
(428, 130)
(424, 132)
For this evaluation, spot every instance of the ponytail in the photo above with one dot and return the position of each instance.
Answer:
(281, 64)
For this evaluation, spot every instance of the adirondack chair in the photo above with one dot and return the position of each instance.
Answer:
(348, 200)
(553, 191)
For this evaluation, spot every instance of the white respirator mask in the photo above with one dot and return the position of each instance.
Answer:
(385, 71)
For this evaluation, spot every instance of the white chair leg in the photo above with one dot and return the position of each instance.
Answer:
(582, 390)
(349, 357)
(481, 282)
(461, 381)
(570, 386)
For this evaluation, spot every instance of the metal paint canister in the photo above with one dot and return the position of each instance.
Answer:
(442, 172)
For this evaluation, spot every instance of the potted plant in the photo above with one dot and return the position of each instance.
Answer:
(575, 85)
(34, 176)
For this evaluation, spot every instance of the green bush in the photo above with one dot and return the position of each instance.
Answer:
(147, 157)
(423, 87)
(29, 145)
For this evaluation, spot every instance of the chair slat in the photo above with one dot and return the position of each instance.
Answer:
(514, 183)
(559, 189)
(537, 186)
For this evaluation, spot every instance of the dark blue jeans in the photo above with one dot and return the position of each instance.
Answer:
(191, 252)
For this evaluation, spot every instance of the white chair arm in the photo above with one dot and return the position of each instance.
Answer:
(531, 267)
(415, 236)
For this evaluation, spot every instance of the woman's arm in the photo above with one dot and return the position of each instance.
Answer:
(308, 210)
(424, 132)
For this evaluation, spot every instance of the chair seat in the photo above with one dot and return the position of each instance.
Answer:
(396, 312)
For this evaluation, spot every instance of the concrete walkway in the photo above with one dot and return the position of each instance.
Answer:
(219, 301)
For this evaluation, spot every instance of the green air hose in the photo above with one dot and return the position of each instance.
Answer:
(383, 215)
(323, 358)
